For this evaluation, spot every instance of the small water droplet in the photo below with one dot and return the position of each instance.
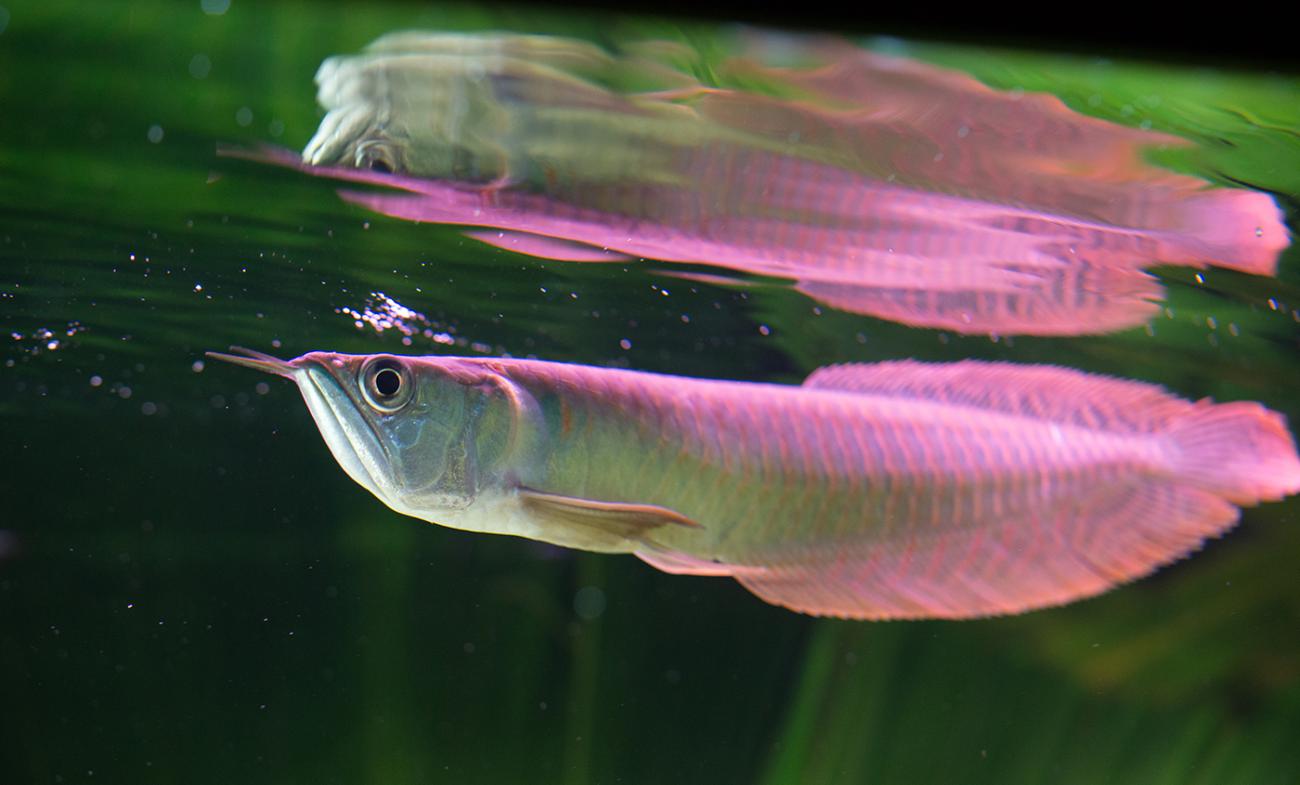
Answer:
(200, 66)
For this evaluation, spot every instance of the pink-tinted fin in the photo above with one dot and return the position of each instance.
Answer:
(1077, 549)
(1240, 451)
(628, 521)
(1040, 392)
(1238, 229)
(546, 247)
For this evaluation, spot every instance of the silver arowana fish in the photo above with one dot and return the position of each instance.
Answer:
(895, 490)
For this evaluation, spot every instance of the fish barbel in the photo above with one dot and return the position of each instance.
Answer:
(894, 490)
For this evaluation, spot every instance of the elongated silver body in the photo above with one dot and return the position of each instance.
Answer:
(891, 490)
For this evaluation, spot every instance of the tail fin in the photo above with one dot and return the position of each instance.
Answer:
(1240, 451)
(1238, 229)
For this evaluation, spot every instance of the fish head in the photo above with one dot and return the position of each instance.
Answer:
(425, 435)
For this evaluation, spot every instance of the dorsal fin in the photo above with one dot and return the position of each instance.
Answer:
(1039, 392)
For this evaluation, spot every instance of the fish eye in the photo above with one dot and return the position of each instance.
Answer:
(376, 157)
(386, 383)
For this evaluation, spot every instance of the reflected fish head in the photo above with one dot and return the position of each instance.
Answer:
(379, 153)
(354, 137)
(421, 434)
(394, 149)
(418, 114)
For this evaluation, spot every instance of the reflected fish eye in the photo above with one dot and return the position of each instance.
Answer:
(386, 384)
(376, 157)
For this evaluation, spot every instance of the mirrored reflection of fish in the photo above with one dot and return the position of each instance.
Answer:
(879, 185)
(897, 490)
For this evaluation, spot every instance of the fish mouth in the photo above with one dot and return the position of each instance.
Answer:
(349, 434)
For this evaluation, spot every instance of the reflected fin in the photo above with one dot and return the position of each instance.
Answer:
(546, 247)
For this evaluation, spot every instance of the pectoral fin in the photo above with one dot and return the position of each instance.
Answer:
(614, 519)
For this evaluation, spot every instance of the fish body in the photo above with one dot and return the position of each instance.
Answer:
(870, 491)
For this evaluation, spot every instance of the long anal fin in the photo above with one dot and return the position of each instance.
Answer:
(1015, 565)
(627, 520)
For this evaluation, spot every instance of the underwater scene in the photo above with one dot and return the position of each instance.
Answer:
(422, 393)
